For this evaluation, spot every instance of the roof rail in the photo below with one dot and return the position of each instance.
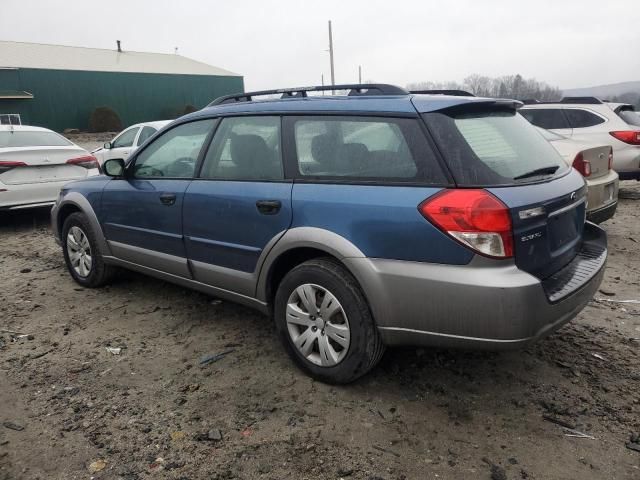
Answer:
(530, 101)
(456, 93)
(586, 100)
(355, 89)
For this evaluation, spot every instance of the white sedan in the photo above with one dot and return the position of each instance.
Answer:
(35, 163)
(128, 140)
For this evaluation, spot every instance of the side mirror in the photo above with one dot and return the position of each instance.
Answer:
(107, 146)
(114, 167)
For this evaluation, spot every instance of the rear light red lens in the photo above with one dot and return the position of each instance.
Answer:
(5, 165)
(610, 166)
(582, 165)
(87, 161)
(632, 137)
(474, 218)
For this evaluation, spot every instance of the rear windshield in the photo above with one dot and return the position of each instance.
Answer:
(630, 116)
(491, 148)
(32, 139)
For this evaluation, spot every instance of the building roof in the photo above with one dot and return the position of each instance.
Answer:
(15, 95)
(59, 57)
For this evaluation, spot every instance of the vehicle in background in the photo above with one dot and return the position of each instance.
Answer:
(128, 140)
(35, 163)
(588, 119)
(359, 221)
(594, 163)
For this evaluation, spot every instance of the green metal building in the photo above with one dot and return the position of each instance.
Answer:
(58, 87)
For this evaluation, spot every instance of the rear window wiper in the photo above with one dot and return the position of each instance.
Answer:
(539, 171)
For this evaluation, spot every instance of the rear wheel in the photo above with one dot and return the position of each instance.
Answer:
(325, 323)
(82, 253)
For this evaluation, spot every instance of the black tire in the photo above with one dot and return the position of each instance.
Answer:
(365, 349)
(100, 273)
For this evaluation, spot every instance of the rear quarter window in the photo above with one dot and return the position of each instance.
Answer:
(492, 148)
(579, 118)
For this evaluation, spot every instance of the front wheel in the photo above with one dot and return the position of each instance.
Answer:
(82, 253)
(325, 323)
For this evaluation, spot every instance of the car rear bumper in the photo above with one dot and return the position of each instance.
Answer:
(487, 303)
(602, 214)
(29, 195)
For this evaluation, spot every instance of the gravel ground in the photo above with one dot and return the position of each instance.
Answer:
(71, 409)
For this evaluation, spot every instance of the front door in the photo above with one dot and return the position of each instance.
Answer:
(142, 213)
(122, 145)
(239, 205)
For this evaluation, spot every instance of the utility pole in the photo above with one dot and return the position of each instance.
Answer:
(333, 77)
(322, 80)
(360, 74)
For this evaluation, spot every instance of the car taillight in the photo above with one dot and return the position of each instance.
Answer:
(5, 165)
(610, 165)
(631, 137)
(582, 165)
(474, 218)
(87, 161)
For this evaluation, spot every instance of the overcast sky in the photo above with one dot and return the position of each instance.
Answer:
(274, 44)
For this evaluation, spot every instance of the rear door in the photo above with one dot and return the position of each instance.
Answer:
(239, 205)
(141, 214)
(498, 150)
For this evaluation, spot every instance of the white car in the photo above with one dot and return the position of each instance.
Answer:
(128, 140)
(588, 119)
(35, 163)
(594, 163)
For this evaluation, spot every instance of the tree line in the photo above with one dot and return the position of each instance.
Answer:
(507, 86)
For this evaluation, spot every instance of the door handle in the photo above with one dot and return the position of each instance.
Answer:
(168, 199)
(268, 207)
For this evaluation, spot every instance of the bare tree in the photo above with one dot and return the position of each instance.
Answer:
(507, 86)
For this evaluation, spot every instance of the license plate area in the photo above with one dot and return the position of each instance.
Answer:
(564, 226)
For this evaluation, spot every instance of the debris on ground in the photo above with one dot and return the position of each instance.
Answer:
(207, 359)
(13, 426)
(114, 350)
(97, 466)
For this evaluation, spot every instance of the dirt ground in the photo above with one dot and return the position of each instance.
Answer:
(70, 409)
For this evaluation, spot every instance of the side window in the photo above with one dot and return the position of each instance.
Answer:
(245, 148)
(549, 118)
(174, 153)
(579, 118)
(145, 134)
(126, 138)
(364, 147)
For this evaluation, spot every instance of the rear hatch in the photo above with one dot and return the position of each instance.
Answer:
(486, 145)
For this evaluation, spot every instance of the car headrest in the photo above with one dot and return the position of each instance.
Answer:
(249, 150)
(324, 149)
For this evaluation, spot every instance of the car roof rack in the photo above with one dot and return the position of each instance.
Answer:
(456, 93)
(355, 89)
(585, 100)
(530, 101)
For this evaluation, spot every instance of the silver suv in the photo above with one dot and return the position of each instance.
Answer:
(589, 119)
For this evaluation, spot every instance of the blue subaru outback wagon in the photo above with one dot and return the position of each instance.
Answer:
(375, 218)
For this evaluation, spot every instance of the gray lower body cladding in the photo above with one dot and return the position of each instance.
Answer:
(487, 303)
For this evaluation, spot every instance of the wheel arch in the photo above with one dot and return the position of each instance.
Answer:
(297, 246)
(75, 202)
